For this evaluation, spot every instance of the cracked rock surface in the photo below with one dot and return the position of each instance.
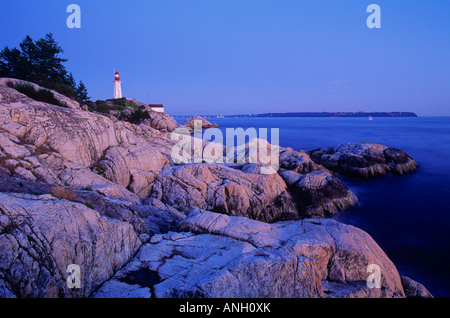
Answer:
(225, 190)
(41, 235)
(217, 255)
(364, 159)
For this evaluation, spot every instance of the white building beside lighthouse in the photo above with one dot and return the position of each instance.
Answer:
(157, 107)
(117, 86)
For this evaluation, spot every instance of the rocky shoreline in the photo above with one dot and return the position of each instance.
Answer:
(78, 187)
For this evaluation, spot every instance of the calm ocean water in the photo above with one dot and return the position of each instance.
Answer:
(408, 216)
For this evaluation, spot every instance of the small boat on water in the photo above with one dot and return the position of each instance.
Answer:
(370, 118)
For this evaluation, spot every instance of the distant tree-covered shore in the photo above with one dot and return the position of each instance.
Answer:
(330, 114)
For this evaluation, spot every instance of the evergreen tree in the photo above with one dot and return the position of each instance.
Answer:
(12, 63)
(40, 62)
(35, 61)
(50, 68)
(26, 68)
(81, 92)
(71, 81)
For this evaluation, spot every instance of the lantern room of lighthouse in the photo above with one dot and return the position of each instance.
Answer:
(117, 86)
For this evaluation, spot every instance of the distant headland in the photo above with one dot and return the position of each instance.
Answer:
(318, 114)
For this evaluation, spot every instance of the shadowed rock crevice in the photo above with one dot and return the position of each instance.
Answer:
(319, 193)
(142, 277)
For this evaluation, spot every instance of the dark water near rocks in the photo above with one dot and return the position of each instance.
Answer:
(408, 216)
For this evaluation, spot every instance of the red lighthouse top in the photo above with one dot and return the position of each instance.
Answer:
(117, 77)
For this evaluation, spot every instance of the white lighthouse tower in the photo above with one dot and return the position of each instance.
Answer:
(117, 86)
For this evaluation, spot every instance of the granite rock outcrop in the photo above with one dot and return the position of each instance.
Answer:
(78, 187)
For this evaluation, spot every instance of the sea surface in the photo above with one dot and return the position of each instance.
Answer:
(409, 215)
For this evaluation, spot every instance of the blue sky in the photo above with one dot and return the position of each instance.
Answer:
(252, 56)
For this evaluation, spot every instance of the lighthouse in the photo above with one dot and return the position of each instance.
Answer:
(117, 86)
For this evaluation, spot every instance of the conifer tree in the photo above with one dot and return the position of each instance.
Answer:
(40, 62)
(82, 94)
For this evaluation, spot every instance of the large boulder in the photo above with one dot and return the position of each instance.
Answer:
(133, 166)
(220, 188)
(40, 236)
(319, 193)
(364, 159)
(148, 117)
(159, 121)
(414, 289)
(224, 256)
(190, 123)
(298, 161)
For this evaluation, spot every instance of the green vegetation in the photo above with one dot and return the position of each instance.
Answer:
(40, 62)
(82, 94)
(89, 205)
(102, 107)
(41, 94)
(121, 104)
(139, 115)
